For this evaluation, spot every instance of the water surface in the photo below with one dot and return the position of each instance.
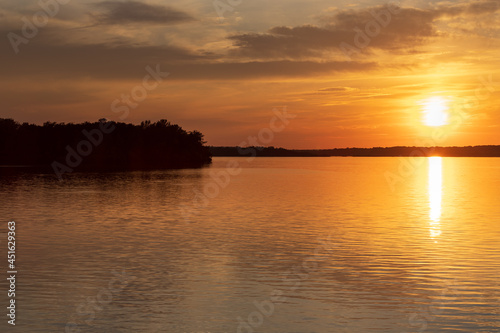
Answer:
(282, 245)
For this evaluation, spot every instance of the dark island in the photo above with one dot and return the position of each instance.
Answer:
(101, 146)
(469, 151)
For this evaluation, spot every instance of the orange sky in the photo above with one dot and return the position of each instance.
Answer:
(228, 72)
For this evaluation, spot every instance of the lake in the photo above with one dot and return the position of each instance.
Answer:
(380, 244)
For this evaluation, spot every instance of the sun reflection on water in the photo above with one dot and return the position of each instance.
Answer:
(435, 194)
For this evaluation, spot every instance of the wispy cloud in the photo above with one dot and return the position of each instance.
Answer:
(407, 29)
(137, 12)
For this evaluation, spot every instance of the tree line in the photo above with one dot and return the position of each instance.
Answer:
(468, 151)
(102, 145)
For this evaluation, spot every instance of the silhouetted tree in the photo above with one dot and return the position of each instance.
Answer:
(159, 145)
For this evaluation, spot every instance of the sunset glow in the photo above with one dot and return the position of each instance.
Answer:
(230, 66)
(250, 165)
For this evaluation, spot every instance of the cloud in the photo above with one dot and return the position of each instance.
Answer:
(285, 42)
(50, 58)
(267, 69)
(403, 28)
(399, 29)
(336, 89)
(471, 8)
(138, 12)
(286, 52)
(126, 62)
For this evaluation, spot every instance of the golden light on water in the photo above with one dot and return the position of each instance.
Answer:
(435, 193)
(435, 113)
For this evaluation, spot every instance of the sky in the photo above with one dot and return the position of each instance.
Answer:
(352, 74)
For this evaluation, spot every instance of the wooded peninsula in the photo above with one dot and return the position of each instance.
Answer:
(101, 146)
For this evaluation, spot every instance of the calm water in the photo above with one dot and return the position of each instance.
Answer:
(282, 245)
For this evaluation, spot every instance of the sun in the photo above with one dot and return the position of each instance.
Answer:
(434, 110)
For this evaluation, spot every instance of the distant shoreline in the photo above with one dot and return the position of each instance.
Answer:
(467, 151)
